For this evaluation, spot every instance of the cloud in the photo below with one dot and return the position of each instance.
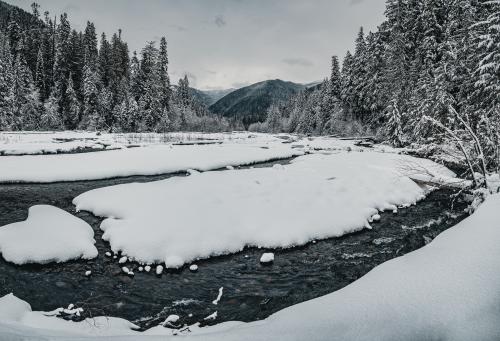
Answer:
(220, 21)
(355, 2)
(298, 62)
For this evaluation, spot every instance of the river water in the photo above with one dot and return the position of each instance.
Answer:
(251, 291)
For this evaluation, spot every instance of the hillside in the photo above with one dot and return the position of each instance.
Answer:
(250, 103)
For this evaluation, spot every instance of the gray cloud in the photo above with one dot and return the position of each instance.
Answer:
(298, 62)
(220, 21)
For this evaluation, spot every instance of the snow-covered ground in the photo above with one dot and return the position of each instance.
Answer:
(150, 160)
(181, 219)
(446, 291)
(49, 234)
(34, 143)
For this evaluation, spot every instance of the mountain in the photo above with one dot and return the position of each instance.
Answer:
(24, 19)
(209, 97)
(250, 103)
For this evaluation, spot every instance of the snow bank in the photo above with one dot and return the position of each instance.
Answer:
(446, 291)
(19, 322)
(35, 143)
(49, 234)
(182, 219)
(150, 160)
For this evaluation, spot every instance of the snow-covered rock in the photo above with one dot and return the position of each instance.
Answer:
(219, 296)
(267, 258)
(49, 234)
(193, 268)
(159, 270)
(171, 319)
(88, 273)
(262, 207)
(123, 260)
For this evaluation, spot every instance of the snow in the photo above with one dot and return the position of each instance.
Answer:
(178, 220)
(36, 142)
(211, 317)
(171, 319)
(123, 260)
(267, 258)
(19, 322)
(88, 273)
(193, 267)
(159, 270)
(219, 296)
(448, 291)
(49, 234)
(150, 160)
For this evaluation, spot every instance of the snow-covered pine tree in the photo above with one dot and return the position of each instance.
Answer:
(335, 78)
(274, 119)
(5, 83)
(164, 78)
(71, 114)
(62, 64)
(91, 118)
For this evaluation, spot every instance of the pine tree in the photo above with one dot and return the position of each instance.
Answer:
(91, 116)
(62, 64)
(163, 75)
(335, 78)
(5, 83)
(104, 62)
(72, 111)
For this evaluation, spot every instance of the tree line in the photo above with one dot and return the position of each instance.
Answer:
(53, 77)
(430, 72)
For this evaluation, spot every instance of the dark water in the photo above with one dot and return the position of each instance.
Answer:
(251, 291)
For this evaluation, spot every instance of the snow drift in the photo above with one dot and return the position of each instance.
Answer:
(182, 219)
(151, 160)
(49, 234)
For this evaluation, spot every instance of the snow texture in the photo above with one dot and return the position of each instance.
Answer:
(150, 160)
(49, 234)
(267, 258)
(315, 197)
(446, 291)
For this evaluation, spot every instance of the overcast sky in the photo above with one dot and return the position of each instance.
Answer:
(231, 43)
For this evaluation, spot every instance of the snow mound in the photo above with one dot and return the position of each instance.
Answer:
(267, 258)
(151, 160)
(182, 219)
(49, 234)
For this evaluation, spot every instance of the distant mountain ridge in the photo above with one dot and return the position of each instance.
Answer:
(249, 104)
(209, 97)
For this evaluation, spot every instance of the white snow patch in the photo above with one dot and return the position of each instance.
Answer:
(49, 234)
(211, 317)
(219, 296)
(290, 212)
(193, 267)
(171, 319)
(267, 258)
(151, 160)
